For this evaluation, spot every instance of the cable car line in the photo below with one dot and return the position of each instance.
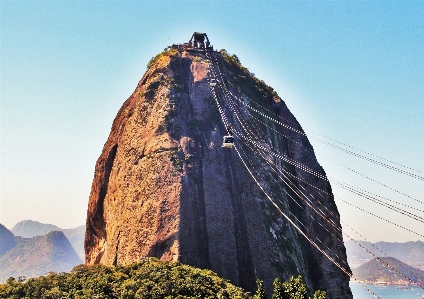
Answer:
(375, 181)
(335, 146)
(344, 144)
(223, 115)
(384, 262)
(291, 185)
(375, 256)
(350, 169)
(370, 198)
(388, 221)
(365, 195)
(300, 231)
(312, 151)
(343, 149)
(381, 217)
(340, 184)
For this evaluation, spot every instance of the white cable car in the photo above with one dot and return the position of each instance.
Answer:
(228, 140)
(213, 82)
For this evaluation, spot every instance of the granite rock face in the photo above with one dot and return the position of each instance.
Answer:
(164, 187)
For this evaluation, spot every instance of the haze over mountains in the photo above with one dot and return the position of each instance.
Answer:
(378, 271)
(32, 248)
(411, 253)
(38, 248)
(30, 228)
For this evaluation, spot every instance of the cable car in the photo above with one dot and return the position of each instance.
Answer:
(213, 82)
(228, 140)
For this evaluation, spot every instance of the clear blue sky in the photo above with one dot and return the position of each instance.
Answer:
(351, 70)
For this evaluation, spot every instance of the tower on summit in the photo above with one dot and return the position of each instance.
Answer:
(199, 41)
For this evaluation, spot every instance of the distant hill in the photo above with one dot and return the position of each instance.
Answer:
(30, 228)
(411, 253)
(38, 255)
(375, 270)
(7, 240)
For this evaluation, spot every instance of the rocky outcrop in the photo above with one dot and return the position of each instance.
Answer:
(164, 187)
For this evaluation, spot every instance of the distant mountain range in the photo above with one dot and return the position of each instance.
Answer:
(34, 249)
(30, 228)
(411, 253)
(379, 271)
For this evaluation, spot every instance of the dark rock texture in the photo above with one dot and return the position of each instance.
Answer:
(164, 186)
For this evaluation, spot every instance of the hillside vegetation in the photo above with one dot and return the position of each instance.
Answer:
(151, 278)
(148, 279)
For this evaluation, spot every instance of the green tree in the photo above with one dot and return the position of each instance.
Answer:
(295, 288)
(260, 292)
(320, 295)
(278, 292)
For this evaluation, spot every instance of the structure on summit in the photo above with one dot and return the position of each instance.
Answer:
(165, 187)
(198, 42)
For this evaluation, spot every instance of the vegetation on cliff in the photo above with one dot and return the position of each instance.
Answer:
(294, 288)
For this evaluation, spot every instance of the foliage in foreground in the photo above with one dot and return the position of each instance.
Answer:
(294, 288)
(149, 279)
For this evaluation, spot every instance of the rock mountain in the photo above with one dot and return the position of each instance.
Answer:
(164, 187)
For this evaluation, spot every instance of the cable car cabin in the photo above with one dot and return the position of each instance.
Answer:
(228, 141)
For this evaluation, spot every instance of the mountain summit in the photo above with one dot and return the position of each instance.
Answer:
(165, 187)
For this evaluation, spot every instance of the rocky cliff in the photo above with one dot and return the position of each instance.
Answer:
(164, 187)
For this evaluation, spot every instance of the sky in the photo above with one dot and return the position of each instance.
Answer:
(350, 70)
